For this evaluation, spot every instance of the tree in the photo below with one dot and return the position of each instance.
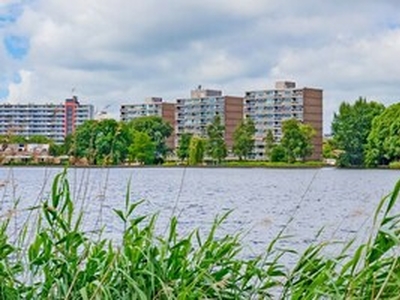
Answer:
(351, 127)
(183, 147)
(383, 143)
(84, 141)
(111, 142)
(328, 148)
(157, 129)
(12, 139)
(216, 147)
(269, 144)
(100, 142)
(278, 154)
(142, 149)
(297, 140)
(38, 139)
(243, 138)
(196, 150)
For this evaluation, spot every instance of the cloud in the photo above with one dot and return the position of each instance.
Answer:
(123, 51)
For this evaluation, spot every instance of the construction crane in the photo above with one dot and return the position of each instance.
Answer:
(102, 114)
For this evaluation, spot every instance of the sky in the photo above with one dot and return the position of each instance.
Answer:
(121, 51)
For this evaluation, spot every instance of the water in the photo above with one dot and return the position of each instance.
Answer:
(263, 201)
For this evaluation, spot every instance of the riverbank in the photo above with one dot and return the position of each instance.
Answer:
(174, 164)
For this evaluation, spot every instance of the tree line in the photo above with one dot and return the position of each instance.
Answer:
(365, 134)
(295, 145)
(143, 140)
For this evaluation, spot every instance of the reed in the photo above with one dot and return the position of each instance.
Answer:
(62, 261)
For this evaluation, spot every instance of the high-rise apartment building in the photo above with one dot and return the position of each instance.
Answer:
(268, 108)
(153, 106)
(195, 113)
(54, 121)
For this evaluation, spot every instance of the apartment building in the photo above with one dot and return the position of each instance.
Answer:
(269, 108)
(153, 106)
(54, 121)
(195, 113)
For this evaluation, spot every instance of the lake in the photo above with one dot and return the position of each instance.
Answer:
(263, 201)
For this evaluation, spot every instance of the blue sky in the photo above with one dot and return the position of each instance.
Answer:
(122, 51)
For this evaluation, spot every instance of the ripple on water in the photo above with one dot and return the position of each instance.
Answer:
(263, 200)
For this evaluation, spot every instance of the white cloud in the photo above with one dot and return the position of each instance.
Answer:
(22, 91)
(126, 50)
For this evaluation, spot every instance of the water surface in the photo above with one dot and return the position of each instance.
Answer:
(262, 201)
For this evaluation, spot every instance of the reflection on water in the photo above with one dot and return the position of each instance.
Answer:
(263, 201)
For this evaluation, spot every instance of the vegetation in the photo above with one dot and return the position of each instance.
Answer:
(184, 146)
(278, 154)
(62, 261)
(216, 147)
(243, 139)
(158, 130)
(351, 127)
(110, 142)
(329, 148)
(196, 150)
(142, 148)
(272, 164)
(269, 144)
(383, 145)
(296, 140)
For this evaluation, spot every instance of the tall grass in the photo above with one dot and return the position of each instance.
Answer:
(62, 261)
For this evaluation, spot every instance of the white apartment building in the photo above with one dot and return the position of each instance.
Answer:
(54, 121)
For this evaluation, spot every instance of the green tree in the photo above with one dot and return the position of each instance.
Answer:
(56, 149)
(38, 139)
(12, 139)
(278, 154)
(328, 148)
(111, 142)
(297, 140)
(100, 142)
(184, 145)
(196, 150)
(65, 148)
(383, 143)
(142, 149)
(84, 141)
(351, 127)
(157, 129)
(243, 138)
(216, 146)
(269, 144)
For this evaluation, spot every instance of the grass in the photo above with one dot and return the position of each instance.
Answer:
(62, 261)
(253, 164)
(394, 165)
(266, 164)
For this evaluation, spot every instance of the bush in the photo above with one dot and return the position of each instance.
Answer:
(278, 154)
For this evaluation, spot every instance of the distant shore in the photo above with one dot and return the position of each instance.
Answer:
(235, 164)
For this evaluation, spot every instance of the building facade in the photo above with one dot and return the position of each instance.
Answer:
(153, 106)
(195, 113)
(54, 121)
(269, 108)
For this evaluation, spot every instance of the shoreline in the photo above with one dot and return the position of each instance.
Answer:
(288, 167)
